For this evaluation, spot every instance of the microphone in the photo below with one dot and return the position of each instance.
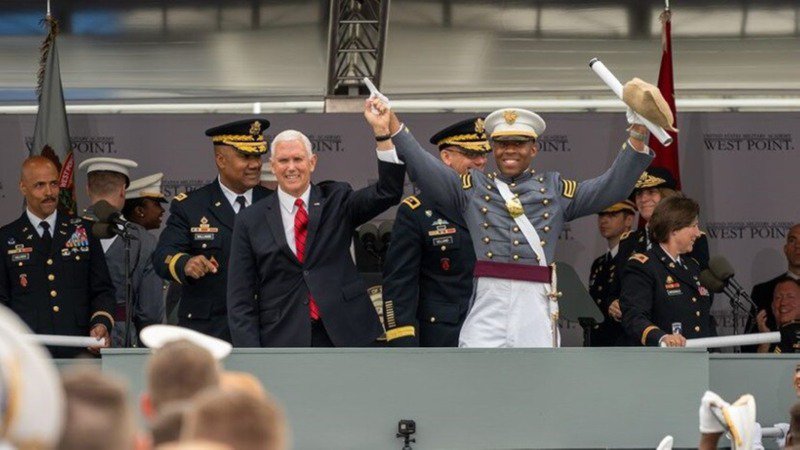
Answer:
(102, 230)
(107, 213)
(723, 270)
(711, 282)
(368, 235)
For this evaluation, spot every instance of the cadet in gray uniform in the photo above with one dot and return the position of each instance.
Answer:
(107, 179)
(514, 302)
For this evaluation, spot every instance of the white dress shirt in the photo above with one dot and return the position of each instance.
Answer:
(231, 196)
(288, 211)
(36, 222)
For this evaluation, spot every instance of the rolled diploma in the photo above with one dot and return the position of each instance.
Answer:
(66, 341)
(732, 341)
(612, 82)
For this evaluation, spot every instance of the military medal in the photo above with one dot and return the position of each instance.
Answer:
(23, 280)
(204, 232)
(445, 263)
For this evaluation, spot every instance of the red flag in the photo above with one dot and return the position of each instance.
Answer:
(667, 157)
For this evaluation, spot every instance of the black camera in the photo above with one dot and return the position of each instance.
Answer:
(405, 428)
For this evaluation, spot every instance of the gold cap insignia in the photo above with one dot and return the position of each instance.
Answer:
(255, 128)
(510, 116)
(479, 126)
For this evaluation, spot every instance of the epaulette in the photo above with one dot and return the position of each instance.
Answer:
(569, 188)
(466, 181)
(642, 258)
(180, 197)
(625, 235)
(412, 202)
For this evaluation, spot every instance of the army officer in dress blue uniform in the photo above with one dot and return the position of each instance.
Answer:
(662, 299)
(54, 274)
(427, 280)
(653, 186)
(512, 305)
(194, 247)
(603, 280)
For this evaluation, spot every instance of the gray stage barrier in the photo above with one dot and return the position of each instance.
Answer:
(473, 399)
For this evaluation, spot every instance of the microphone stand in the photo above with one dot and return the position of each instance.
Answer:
(735, 293)
(127, 237)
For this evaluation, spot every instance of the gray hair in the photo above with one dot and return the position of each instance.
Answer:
(287, 136)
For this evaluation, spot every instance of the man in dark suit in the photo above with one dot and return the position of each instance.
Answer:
(427, 283)
(762, 293)
(54, 273)
(292, 281)
(194, 247)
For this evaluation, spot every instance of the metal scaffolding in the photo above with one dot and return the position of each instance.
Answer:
(356, 43)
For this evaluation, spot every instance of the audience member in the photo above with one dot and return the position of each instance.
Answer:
(98, 416)
(241, 420)
(177, 371)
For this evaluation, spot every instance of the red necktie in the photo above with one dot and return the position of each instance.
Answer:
(300, 232)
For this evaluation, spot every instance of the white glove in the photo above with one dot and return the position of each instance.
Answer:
(708, 420)
(633, 118)
(781, 441)
(757, 445)
(665, 444)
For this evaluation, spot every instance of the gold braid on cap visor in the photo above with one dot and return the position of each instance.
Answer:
(471, 142)
(648, 181)
(243, 142)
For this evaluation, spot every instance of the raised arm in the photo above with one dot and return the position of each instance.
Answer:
(592, 196)
(439, 183)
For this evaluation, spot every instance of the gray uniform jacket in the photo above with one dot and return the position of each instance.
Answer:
(148, 297)
(548, 200)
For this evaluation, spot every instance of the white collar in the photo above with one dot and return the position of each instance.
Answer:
(792, 275)
(35, 221)
(614, 250)
(231, 196)
(287, 200)
(675, 260)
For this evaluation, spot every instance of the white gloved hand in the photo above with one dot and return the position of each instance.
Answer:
(781, 441)
(708, 420)
(633, 118)
(665, 444)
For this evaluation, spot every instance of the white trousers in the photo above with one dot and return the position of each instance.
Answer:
(509, 313)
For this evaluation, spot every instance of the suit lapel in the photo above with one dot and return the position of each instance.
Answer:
(275, 223)
(315, 204)
(220, 207)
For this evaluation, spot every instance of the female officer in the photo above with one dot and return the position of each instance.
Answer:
(662, 300)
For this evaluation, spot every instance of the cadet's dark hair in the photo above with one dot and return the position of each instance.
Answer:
(671, 214)
(130, 205)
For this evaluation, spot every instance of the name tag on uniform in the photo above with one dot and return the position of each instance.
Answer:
(443, 240)
(204, 236)
(20, 257)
